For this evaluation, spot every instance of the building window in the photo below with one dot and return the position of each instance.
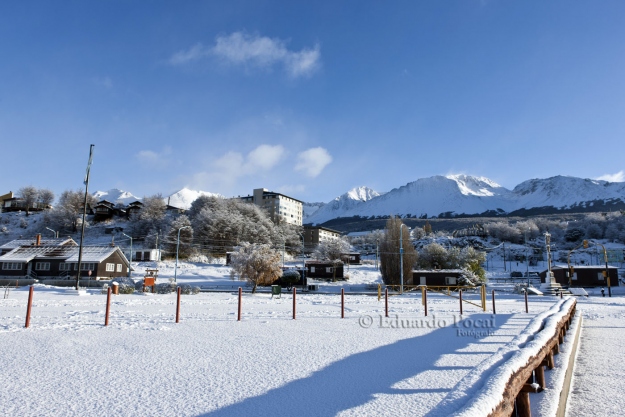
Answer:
(329, 270)
(64, 266)
(312, 269)
(87, 266)
(42, 266)
(12, 266)
(119, 267)
(110, 267)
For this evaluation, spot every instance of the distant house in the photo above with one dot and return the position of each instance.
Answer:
(36, 241)
(324, 270)
(19, 204)
(313, 235)
(134, 208)
(583, 276)
(143, 255)
(352, 258)
(103, 210)
(436, 277)
(61, 262)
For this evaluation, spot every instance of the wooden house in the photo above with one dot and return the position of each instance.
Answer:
(583, 276)
(134, 208)
(436, 277)
(103, 210)
(61, 262)
(352, 258)
(324, 270)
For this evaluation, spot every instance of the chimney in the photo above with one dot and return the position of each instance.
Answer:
(113, 242)
(38, 240)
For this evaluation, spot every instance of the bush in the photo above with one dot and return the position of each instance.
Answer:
(165, 288)
(126, 285)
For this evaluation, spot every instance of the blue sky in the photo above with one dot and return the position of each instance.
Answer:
(308, 98)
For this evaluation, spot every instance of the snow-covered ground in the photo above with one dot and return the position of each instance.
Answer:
(143, 363)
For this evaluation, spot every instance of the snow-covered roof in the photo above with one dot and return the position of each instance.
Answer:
(68, 253)
(43, 242)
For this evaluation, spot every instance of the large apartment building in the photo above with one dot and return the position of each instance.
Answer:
(281, 208)
(314, 235)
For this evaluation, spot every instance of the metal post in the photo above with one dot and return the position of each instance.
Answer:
(178, 306)
(108, 306)
(526, 305)
(342, 303)
(401, 258)
(28, 308)
(239, 310)
(494, 310)
(377, 253)
(130, 260)
(294, 302)
(177, 249)
(303, 263)
(460, 297)
(425, 299)
(56, 233)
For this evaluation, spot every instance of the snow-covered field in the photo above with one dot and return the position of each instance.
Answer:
(143, 363)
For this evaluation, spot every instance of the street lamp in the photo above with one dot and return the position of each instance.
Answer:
(377, 252)
(177, 249)
(130, 260)
(401, 258)
(527, 260)
(56, 234)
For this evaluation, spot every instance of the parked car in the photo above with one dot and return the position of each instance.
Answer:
(531, 274)
(516, 274)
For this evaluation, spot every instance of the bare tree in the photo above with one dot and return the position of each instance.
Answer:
(46, 197)
(66, 215)
(389, 252)
(259, 264)
(29, 194)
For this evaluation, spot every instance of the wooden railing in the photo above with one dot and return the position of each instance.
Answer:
(531, 377)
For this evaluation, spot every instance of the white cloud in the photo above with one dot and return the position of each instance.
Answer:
(196, 52)
(154, 159)
(313, 161)
(618, 177)
(227, 169)
(265, 157)
(240, 48)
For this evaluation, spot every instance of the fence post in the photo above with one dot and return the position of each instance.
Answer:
(178, 306)
(460, 296)
(526, 306)
(425, 300)
(483, 294)
(294, 295)
(342, 303)
(239, 311)
(28, 308)
(108, 306)
(386, 301)
(494, 310)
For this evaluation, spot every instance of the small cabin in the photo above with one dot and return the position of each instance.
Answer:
(324, 270)
(583, 276)
(436, 277)
(352, 258)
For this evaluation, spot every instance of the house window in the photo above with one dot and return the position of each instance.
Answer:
(110, 267)
(422, 281)
(119, 267)
(600, 276)
(87, 266)
(450, 280)
(312, 269)
(63, 266)
(11, 266)
(329, 270)
(42, 266)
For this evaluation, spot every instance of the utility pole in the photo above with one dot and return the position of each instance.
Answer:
(84, 215)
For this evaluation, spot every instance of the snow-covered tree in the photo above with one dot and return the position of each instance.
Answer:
(259, 264)
(29, 194)
(67, 214)
(150, 218)
(332, 249)
(186, 236)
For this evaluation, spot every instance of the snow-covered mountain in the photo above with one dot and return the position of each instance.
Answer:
(115, 196)
(310, 209)
(182, 199)
(453, 195)
(342, 204)
(566, 192)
